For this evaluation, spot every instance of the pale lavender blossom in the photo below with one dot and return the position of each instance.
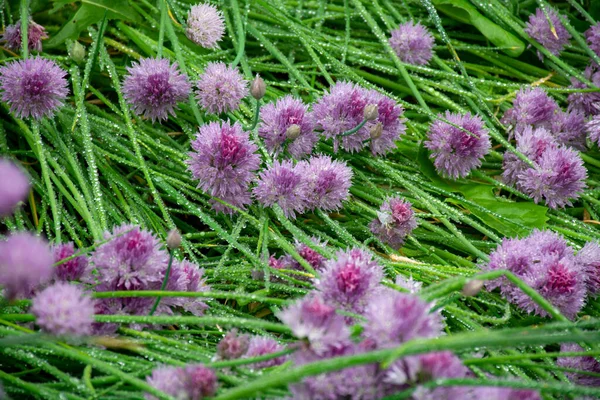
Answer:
(588, 102)
(199, 381)
(132, 259)
(502, 393)
(341, 110)
(285, 184)
(531, 106)
(224, 160)
(328, 182)
(168, 379)
(14, 186)
(205, 25)
(350, 280)
(394, 318)
(70, 270)
(569, 128)
(121, 306)
(581, 363)
(593, 129)
(312, 319)
(260, 346)
(34, 87)
(186, 277)
(35, 34)
(63, 309)
(593, 37)
(589, 258)
(413, 286)
(25, 263)
(457, 151)
(221, 88)
(539, 29)
(277, 118)
(395, 221)
(154, 86)
(413, 43)
(233, 345)
(389, 120)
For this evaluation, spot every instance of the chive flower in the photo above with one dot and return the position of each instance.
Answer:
(72, 269)
(14, 186)
(413, 43)
(35, 34)
(539, 28)
(205, 25)
(395, 221)
(221, 88)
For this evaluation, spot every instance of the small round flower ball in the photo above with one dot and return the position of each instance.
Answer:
(63, 309)
(413, 43)
(539, 28)
(389, 119)
(34, 87)
(72, 269)
(205, 25)
(221, 88)
(260, 346)
(25, 263)
(589, 258)
(232, 346)
(568, 128)
(593, 37)
(395, 221)
(581, 363)
(588, 102)
(328, 181)
(35, 34)
(14, 186)
(531, 106)
(456, 151)
(154, 86)
(285, 184)
(277, 118)
(592, 128)
(224, 160)
(532, 142)
(199, 381)
(170, 380)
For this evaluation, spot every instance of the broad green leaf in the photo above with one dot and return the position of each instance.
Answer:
(89, 13)
(465, 12)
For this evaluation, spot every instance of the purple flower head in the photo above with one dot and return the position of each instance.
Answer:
(339, 111)
(72, 269)
(589, 258)
(395, 221)
(413, 286)
(316, 260)
(413, 43)
(170, 380)
(186, 277)
(593, 129)
(285, 184)
(199, 381)
(589, 103)
(277, 118)
(350, 280)
(14, 186)
(532, 106)
(539, 29)
(559, 177)
(456, 152)
(154, 86)
(63, 309)
(34, 87)
(132, 259)
(224, 160)
(568, 128)
(395, 317)
(582, 363)
(122, 306)
(221, 88)
(205, 25)
(312, 319)
(35, 34)
(233, 345)
(25, 263)
(260, 346)
(503, 393)
(389, 119)
(593, 37)
(328, 181)
(513, 255)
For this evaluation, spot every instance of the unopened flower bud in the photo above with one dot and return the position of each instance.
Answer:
(371, 112)
(472, 287)
(376, 131)
(173, 239)
(77, 52)
(293, 132)
(258, 88)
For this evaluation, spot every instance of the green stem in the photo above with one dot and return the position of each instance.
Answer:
(24, 28)
(161, 33)
(355, 129)
(241, 42)
(164, 282)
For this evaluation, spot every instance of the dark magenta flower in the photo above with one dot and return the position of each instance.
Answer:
(221, 88)
(539, 29)
(34, 87)
(205, 25)
(35, 34)
(276, 120)
(199, 381)
(413, 43)
(64, 309)
(328, 182)
(455, 152)
(154, 86)
(25, 263)
(224, 160)
(72, 269)
(395, 221)
(14, 186)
